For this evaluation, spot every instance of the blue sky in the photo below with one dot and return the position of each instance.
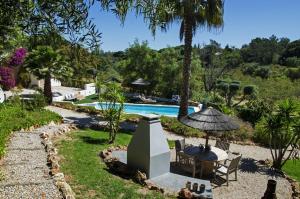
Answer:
(243, 21)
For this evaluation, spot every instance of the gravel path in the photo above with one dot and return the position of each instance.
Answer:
(26, 174)
(252, 177)
(69, 116)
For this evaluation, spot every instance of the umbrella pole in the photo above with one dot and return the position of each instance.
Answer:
(206, 141)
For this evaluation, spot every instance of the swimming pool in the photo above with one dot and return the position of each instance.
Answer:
(141, 109)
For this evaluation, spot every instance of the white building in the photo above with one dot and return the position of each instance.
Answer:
(61, 93)
(40, 82)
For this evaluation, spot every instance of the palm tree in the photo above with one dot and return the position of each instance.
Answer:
(192, 14)
(46, 63)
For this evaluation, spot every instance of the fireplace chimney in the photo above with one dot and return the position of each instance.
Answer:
(148, 149)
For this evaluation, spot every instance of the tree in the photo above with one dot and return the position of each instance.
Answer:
(46, 63)
(169, 72)
(291, 54)
(283, 130)
(141, 62)
(10, 16)
(112, 104)
(264, 50)
(213, 65)
(36, 18)
(230, 89)
(162, 13)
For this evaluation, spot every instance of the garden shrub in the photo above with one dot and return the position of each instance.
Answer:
(253, 110)
(259, 135)
(234, 87)
(249, 68)
(173, 125)
(292, 61)
(249, 89)
(7, 79)
(263, 72)
(293, 73)
(209, 99)
(37, 102)
(253, 69)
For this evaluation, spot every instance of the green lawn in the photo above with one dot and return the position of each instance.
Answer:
(14, 118)
(292, 168)
(89, 99)
(88, 175)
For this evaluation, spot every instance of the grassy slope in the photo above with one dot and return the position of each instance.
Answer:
(87, 173)
(13, 118)
(276, 87)
(88, 99)
(292, 168)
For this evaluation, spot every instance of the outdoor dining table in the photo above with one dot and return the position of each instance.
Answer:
(207, 158)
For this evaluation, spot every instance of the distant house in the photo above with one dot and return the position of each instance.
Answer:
(61, 93)
(35, 82)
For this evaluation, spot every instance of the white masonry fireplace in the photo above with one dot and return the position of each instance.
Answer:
(148, 150)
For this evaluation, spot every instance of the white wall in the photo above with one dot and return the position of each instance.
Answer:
(90, 89)
(55, 82)
(40, 82)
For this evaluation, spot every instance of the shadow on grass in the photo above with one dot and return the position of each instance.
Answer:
(91, 140)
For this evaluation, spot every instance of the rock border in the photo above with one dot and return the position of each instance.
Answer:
(115, 166)
(295, 186)
(53, 160)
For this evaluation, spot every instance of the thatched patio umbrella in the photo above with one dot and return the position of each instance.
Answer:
(209, 120)
(140, 83)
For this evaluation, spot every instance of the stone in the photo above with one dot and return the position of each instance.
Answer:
(70, 197)
(104, 154)
(67, 190)
(52, 157)
(118, 167)
(52, 150)
(185, 193)
(54, 171)
(44, 135)
(266, 162)
(152, 186)
(140, 177)
(52, 123)
(59, 177)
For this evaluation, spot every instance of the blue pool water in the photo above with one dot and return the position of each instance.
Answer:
(166, 110)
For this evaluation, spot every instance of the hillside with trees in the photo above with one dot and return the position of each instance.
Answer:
(244, 80)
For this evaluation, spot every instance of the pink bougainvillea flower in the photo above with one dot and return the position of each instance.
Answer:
(7, 79)
(18, 57)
